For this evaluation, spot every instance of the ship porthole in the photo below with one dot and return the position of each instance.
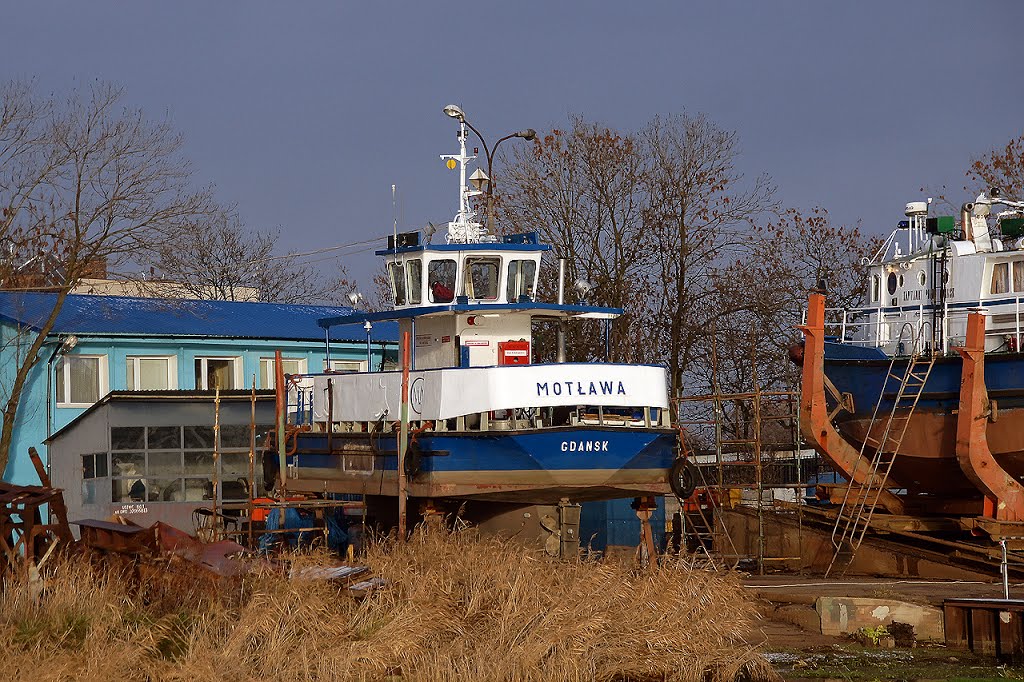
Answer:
(921, 278)
(901, 281)
(891, 283)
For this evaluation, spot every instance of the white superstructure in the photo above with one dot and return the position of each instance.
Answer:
(932, 271)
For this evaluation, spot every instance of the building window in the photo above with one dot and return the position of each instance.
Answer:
(1000, 278)
(173, 464)
(289, 365)
(480, 279)
(521, 274)
(441, 276)
(80, 379)
(345, 366)
(222, 373)
(152, 373)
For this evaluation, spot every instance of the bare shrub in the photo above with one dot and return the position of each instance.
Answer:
(455, 607)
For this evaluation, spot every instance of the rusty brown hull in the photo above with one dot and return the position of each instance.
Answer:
(926, 462)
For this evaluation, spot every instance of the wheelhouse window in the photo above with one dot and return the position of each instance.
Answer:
(151, 373)
(219, 373)
(80, 379)
(397, 273)
(480, 278)
(1018, 275)
(414, 269)
(441, 276)
(268, 372)
(521, 275)
(1000, 278)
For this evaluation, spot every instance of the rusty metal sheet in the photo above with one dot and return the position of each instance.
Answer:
(116, 537)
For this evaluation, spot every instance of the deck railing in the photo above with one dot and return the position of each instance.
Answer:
(302, 411)
(874, 328)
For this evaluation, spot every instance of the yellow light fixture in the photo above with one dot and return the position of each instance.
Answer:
(451, 164)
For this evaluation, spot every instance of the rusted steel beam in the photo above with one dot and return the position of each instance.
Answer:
(1004, 495)
(814, 418)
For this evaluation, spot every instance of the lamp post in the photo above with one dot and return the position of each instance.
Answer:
(486, 182)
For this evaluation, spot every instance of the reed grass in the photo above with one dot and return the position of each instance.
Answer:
(455, 607)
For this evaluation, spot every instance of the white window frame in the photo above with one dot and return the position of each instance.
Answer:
(271, 369)
(236, 366)
(172, 371)
(1008, 280)
(65, 378)
(345, 366)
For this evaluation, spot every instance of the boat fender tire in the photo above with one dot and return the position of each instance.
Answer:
(271, 468)
(682, 478)
(413, 459)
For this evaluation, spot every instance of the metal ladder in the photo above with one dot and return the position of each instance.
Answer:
(851, 525)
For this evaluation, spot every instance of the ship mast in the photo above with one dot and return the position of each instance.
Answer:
(463, 228)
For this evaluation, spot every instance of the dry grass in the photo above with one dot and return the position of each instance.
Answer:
(456, 607)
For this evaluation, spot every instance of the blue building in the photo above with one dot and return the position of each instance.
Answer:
(101, 344)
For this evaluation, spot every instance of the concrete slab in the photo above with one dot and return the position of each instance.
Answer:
(846, 615)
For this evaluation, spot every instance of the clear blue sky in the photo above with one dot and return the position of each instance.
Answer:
(305, 114)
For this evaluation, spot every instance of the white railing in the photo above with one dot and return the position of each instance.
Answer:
(874, 328)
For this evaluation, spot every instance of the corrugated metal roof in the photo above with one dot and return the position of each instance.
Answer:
(130, 316)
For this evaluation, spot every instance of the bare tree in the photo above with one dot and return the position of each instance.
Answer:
(82, 181)
(648, 218)
(584, 191)
(1002, 168)
(766, 291)
(701, 214)
(217, 258)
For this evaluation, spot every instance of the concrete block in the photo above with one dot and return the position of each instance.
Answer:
(846, 615)
(804, 617)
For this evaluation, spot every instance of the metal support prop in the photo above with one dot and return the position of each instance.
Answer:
(646, 551)
(281, 408)
(251, 488)
(216, 459)
(403, 440)
(1004, 495)
(560, 351)
(1004, 568)
(817, 427)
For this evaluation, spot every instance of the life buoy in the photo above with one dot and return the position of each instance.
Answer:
(682, 478)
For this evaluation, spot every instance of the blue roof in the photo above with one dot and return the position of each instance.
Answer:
(537, 309)
(130, 316)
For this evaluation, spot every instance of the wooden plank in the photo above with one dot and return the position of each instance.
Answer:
(1011, 644)
(983, 631)
(955, 625)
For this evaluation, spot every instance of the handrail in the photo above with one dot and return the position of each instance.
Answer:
(870, 327)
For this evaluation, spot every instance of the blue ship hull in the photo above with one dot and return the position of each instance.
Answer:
(927, 464)
(862, 372)
(534, 466)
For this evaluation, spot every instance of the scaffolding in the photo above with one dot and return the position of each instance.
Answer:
(748, 451)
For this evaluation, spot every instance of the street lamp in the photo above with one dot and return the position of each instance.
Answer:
(485, 182)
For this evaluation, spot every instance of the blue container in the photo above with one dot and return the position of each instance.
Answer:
(613, 523)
